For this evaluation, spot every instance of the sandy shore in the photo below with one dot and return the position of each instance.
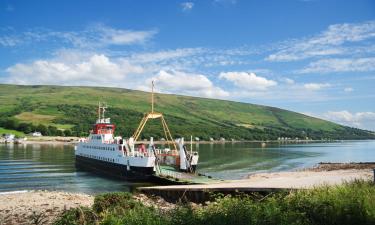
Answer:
(18, 207)
(322, 174)
(306, 179)
(282, 180)
(55, 140)
(50, 143)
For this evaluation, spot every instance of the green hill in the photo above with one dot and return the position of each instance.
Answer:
(57, 110)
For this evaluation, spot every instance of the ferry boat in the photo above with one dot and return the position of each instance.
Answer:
(102, 152)
(128, 158)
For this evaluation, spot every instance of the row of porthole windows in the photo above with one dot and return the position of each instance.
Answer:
(98, 157)
(99, 147)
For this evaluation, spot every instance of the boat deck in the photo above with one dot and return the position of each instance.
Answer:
(170, 174)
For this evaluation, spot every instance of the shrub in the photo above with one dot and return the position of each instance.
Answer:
(121, 208)
(351, 203)
(77, 216)
(113, 200)
(141, 215)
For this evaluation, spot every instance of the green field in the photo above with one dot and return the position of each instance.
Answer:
(8, 131)
(73, 109)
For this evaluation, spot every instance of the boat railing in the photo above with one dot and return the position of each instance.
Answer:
(143, 154)
(82, 140)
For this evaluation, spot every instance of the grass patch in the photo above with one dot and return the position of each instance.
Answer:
(7, 131)
(62, 126)
(245, 125)
(351, 203)
(47, 120)
(34, 118)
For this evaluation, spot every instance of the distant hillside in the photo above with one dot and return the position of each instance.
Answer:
(57, 110)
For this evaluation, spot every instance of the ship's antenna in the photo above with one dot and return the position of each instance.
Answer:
(152, 97)
(103, 109)
(99, 111)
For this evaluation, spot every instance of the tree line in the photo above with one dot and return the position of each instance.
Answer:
(27, 128)
(82, 117)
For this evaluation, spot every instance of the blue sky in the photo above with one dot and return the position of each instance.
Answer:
(311, 56)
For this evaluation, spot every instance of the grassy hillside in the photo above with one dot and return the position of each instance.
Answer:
(53, 109)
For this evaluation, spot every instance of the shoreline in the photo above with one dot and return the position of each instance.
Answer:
(18, 206)
(56, 140)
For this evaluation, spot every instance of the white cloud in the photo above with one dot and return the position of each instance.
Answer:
(71, 67)
(93, 36)
(165, 55)
(315, 86)
(340, 65)
(348, 89)
(288, 81)
(75, 67)
(233, 2)
(187, 6)
(86, 67)
(95, 70)
(248, 81)
(285, 56)
(329, 42)
(364, 120)
(187, 83)
(9, 41)
(111, 36)
(184, 59)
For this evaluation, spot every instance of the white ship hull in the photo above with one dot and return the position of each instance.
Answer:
(114, 160)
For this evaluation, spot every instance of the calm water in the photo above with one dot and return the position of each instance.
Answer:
(35, 166)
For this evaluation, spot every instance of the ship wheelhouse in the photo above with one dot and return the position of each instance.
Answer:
(104, 128)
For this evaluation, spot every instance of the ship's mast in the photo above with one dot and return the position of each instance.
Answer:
(154, 115)
(104, 106)
(101, 111)
(152, 97)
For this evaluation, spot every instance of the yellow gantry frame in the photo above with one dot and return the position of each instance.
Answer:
(155, 115)
(167, 133)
